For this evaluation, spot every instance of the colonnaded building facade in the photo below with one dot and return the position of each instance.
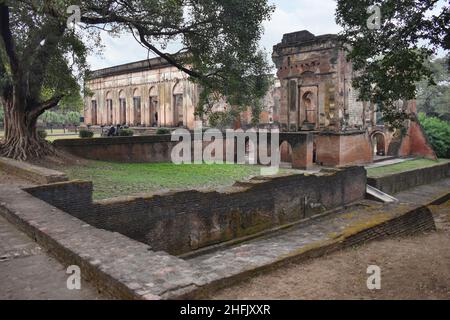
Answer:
(152, 93)
(144, 93)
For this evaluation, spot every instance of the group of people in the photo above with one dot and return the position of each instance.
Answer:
(113, 131)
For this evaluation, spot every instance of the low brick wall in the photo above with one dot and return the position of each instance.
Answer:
(181, 222)
(30, 172)
(395, 183)
(152, 149)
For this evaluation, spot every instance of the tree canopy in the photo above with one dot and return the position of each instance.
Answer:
(390, 60)
(42, 61)
(434, 100)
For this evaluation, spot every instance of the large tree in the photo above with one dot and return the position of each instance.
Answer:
(39, 54)
(391, 57)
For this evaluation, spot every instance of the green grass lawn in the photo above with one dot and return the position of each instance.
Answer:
(403, 166)
(121, 179)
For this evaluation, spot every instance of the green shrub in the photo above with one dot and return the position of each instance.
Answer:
(163, 131)
(438, 133)
(126, 133)
(86, 133)
(42, 133)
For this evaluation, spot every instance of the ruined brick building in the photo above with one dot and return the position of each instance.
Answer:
(313, 95)
(317, 97)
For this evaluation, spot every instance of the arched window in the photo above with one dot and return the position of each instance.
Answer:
(286, 152)
(309, 104)
(178, 114)
(379, 144)
(137, 107)
(154, 112)
(122, 107)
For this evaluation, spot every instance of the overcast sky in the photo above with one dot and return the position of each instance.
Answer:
(317, 16)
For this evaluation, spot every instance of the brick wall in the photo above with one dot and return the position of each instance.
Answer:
(395, 183)
(181, 222)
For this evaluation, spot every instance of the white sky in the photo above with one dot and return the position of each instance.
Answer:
(317, 16)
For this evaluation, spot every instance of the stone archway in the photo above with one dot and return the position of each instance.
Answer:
(178, 105)
(379, 144)
(154, 113)
(286, 152)
(137, 107)
(109, 109)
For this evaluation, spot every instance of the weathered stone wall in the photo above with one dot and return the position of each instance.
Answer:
(152, 149)
(180, 222)
(158, 148)
(394, 183)
(31, 172)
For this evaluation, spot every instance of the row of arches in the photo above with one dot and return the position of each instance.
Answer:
(138, 110)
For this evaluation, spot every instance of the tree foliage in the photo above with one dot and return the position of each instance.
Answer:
(438, 132)
(42, 61)
(389, 61)
(434, 100)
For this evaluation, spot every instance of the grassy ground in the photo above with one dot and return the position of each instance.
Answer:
(57, 134)
(403, 166)
(118, 179)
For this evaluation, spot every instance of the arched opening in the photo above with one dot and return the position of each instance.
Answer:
(137, 107)
(178, 114)
(251, 152)
(109, 108)
(122, 108)
(314, 153)
(286, 154)
(309, 109)
(154, 114)
(94, 112)
(379, 144)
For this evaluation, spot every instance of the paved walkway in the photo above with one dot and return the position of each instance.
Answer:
(28, 273)
(271, 249)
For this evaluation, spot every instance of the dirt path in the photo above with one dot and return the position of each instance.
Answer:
(411, 268)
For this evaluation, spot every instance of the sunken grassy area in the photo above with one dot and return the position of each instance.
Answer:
(404, 166)
(124, 179)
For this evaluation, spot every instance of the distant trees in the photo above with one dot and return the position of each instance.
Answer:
(438, 132)
(42, 59)
(52, 119)
(391, 58)
(434, 100)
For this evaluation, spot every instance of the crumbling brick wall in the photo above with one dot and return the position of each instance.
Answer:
(180, 222)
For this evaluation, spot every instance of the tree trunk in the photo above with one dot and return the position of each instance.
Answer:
(22, 141)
